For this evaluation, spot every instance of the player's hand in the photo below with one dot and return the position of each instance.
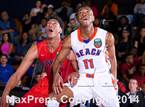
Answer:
(57, 84)
(3, 102)
(73, 78)
(115, 82)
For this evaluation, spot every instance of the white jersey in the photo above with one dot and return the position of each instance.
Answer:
(91, 55)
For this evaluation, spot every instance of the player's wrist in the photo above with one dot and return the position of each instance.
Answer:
(114, 77)
(56, 75)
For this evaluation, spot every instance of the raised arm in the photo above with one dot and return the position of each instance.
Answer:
(111, 51)
(16, 77)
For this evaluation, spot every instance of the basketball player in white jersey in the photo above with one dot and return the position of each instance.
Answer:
(95, 54)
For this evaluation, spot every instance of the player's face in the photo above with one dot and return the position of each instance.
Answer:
(85, 16)
(53, 28)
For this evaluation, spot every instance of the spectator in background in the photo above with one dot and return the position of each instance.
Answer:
(72, 25)
(65, 11)
(35, 16)
(109, 17)
(135, 98)
(110, 7)
(139, 42)
(123, 22)
(6, 70)
(18, 27)
(36, 9)
(6, 47)
(51, 11)
(125, 7)
(48, 12)
(22, 47)
(26, 22)
(34, 32)
(140, 75)
(139, 11)
(7, 25)
(124, 44)
(42, 26)
(127, 68)
(139, 8)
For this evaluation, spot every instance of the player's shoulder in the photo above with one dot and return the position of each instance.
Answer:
(41, 42)
(101, 30)
(74, 32)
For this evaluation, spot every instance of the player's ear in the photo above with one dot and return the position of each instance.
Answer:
(60, 31)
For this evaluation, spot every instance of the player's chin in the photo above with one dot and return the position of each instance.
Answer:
(51, 35)
(86, 24)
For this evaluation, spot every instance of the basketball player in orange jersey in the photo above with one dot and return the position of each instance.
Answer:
(46, 51)
(95, 53)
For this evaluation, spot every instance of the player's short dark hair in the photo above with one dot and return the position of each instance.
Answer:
(61, 23)
(83, 6)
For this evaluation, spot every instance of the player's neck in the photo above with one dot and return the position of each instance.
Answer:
(86, 32)
(53, 44)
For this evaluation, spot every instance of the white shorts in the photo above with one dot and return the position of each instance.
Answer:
(100, 88)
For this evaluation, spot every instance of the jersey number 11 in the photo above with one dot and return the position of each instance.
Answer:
(88, 63)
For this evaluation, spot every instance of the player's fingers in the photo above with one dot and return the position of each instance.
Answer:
(60, 86)
(57, 90)
(54, 89)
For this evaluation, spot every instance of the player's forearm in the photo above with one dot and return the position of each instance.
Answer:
(114, 67)
(56, 67)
